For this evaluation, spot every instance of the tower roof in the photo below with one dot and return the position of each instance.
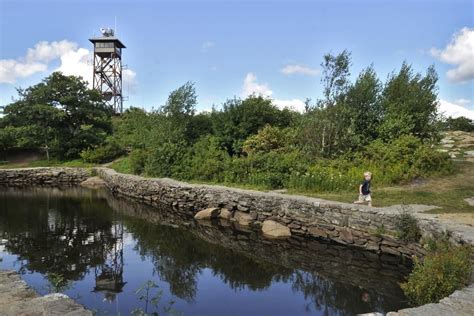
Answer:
(108, 39)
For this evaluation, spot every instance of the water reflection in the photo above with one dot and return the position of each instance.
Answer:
(75, 232)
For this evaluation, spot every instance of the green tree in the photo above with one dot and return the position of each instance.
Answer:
(410, 104)
(364, 104)
(60, 115)
(241, 118)
(459, 124)
(335, 76)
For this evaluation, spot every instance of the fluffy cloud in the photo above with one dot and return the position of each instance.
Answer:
(74, 60)
(293, 104)
(454, 110)
(459, 52)
(299, 69)
(252, 87)
(11, 70)
(36, 60)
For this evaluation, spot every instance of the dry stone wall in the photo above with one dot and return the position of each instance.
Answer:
(43, 176)
(346, 224)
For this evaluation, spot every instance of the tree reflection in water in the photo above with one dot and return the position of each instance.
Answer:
(69, 233)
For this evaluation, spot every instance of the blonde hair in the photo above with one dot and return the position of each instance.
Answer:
(368, 173)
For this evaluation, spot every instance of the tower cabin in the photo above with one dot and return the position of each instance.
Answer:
(107, 68)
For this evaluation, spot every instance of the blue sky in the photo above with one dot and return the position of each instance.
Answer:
(233, 48)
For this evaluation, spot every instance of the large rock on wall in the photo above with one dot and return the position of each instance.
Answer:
(43, 176)
(303, 216)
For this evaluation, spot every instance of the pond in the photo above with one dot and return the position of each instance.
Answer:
(107, 253)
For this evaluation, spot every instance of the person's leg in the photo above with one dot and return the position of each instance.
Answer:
(368, 198)
(360, 200)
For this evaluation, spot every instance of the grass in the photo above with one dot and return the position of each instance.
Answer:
(448, 193)
(121, 165)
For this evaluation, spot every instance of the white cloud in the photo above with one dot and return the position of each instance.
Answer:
(73, 60)
(36, 60)
(207, 45)
(299, 69)
(462, 101)
(11, 70)
(46, 52)
(454, 110)
(294, 104)
(251, 86)
(459, 52)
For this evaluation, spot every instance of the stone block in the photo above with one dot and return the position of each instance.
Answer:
(208, 213)
(274, 229)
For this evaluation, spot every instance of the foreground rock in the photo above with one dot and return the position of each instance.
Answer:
(460, 303)
(275, 230)
(93, 183)
(16, 298)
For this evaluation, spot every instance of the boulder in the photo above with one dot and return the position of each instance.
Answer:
(242, 218)
(93, 183)
(275, 230)
(225, 214)
(208, 213)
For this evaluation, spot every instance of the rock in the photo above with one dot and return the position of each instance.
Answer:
(207, 213)
(470, 201)
(225, 214)
(93, 183)
(318, 232)
(275, 230)
(469, 154)
(242, 218)
(17, 298)
(346, 235)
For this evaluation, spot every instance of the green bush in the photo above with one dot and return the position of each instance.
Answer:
(103, 153)
(137, 162)
(407, 227)
(439, 274)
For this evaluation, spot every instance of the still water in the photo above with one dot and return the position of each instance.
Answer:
(100, 250)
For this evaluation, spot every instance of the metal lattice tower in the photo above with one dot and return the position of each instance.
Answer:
(107, 68)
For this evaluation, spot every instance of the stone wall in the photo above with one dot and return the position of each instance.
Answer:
(347, 224)
(43, 176)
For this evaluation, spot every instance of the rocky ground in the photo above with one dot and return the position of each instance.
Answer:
(17, 298)
(459, 145)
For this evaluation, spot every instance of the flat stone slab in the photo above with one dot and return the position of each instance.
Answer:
(460, 303)
(470, 201)
(17, 298)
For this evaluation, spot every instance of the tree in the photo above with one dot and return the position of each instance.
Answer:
(335, 76)
(241, 118)
(364, 103)
(410, 105)
(59, 115)
(459, 124)
(328, 128)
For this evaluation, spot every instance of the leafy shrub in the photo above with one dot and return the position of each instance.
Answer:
(438, 275)
(138, 159)
(103, 153)
(407, 227)
(459, 124)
